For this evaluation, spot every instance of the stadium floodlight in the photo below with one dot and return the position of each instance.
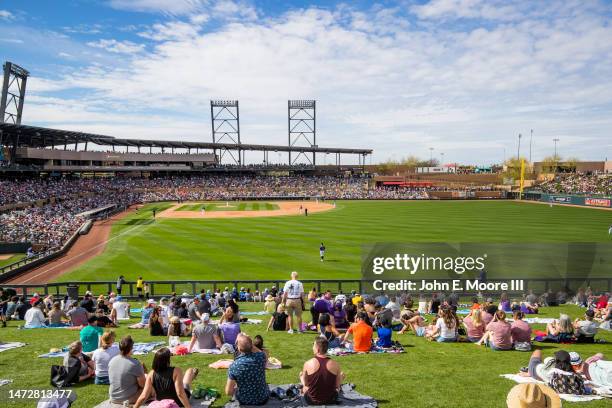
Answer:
(13, 93)
(302, 127)
(225, 121)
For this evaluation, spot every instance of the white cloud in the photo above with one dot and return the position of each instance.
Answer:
(380, 81)
(117, 47)
(6, 15)
(173, 7)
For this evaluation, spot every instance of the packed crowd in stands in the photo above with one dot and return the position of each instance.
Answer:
(48, 226)
(345, 323)
(578, 184)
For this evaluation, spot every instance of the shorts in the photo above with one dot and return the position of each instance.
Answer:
(531, 368)
(446, 340)
(294, 306)
(474, 339)
(102, 380)
(493, 347)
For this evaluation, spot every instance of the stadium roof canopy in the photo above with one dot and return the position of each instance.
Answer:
(40, 137)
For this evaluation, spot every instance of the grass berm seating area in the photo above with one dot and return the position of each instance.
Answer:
(429, 374)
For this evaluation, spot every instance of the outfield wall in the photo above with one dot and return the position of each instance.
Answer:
(586, 201)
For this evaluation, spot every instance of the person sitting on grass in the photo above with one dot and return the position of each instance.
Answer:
(446, 327)
(126, 374)
(586, 329)
(560, 331)
(328, 330)
(351, 310)
(34, 317)
(475, 304)
(563, 379)
(340, 317)
(279, 320)
(79, 366)
(156, 327)
(90, 335)
(270, 305)
(321, 376)
(474, 325)
(229, 328)
(178, 328)
(206, 335)
(520, 332)
(145, 315)
(413, 321)
(498, 336)
(594, 369)
(56, 314)
(361, 332)
(103, 355)
(103, 320)
(120, 310)
(258, 345)
(165, 382)
(384, 333)
(488, 311)
(246, 376)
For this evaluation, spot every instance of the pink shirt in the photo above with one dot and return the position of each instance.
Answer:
(501, 334)
(486, 318)
(521, 331)
(473, 331)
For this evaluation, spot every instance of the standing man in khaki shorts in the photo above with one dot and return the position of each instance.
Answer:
(293, 299)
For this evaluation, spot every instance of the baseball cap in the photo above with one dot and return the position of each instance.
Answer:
(532, 395)
(151, 302)
(205, 317)
(575, 358)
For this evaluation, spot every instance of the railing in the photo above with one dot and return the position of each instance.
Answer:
(166, 288)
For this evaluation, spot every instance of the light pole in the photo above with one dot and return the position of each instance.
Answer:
(555, 140)
(518, 151)
(442, 158)
(431, 149)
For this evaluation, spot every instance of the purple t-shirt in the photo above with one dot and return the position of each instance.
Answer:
(230, 332)
(521, 332)
(323, 305)
(472, 330)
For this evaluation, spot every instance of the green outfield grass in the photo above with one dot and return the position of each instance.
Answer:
(230, 206)
(14, 258)
(270, 247)
(458, 375)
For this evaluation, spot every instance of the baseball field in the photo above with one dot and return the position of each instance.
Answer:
(243, 246)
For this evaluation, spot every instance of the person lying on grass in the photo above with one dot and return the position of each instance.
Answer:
(594, 369)
(165, 382)
(498, 336)
(446, 327)
(246, 377)
(563, 379)
(361, 332)
(279, 321)
(321, 376)
(413, 321)
(328, 330)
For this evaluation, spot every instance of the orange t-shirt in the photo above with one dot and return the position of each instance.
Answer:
(475, 306)
(362, 336)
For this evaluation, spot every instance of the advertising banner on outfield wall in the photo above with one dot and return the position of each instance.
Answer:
(577, 200)
(490, 267)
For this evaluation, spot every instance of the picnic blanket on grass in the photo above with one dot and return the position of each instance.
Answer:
(347, 397)
(139, 349)
(260, 313)
(8, 346)
(566, 397)
(343, 351)
(194, 403)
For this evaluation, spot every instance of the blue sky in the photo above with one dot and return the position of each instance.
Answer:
(462, 76)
